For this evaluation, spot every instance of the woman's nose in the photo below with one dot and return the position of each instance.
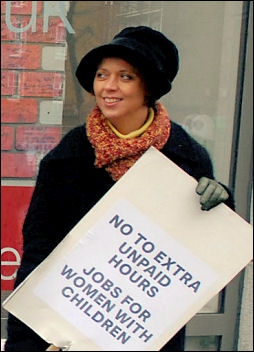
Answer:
(111, 83)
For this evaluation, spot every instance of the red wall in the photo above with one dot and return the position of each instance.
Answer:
(26, 138)
(14, 205)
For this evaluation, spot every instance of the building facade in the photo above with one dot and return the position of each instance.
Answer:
(41, 44)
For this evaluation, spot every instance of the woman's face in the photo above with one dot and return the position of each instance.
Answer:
(119, 89)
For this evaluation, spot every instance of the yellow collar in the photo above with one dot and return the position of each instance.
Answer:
(136, 133)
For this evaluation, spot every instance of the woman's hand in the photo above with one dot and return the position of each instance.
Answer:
(211, 192)
(53, 348)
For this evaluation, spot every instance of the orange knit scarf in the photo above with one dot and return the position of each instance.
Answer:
(118, 155)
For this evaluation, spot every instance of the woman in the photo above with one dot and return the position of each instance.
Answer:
(127, 77)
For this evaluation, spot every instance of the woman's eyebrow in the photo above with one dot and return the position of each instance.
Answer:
(124, 70)
(120, 71)
(101, 68)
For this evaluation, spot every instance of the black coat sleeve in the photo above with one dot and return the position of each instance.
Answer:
(192, 157)
(60, 199)
(51, 215)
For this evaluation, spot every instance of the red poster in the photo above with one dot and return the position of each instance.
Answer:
(14, 204)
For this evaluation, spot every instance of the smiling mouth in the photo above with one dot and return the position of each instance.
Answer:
(112, 100)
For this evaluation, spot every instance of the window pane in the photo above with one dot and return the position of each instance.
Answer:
(207, 34)
(203, 96)
(202, 343)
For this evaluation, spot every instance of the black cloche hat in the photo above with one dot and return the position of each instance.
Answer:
(153, 54)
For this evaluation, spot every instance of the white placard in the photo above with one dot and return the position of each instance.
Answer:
(119, 285)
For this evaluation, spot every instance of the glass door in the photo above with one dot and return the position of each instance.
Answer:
(208, 35)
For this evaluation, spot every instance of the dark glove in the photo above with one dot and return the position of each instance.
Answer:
(212, 193)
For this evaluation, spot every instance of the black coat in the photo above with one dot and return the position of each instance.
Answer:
(68, 186)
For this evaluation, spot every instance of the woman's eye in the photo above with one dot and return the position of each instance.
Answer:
(126, 76)
(100, 75)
